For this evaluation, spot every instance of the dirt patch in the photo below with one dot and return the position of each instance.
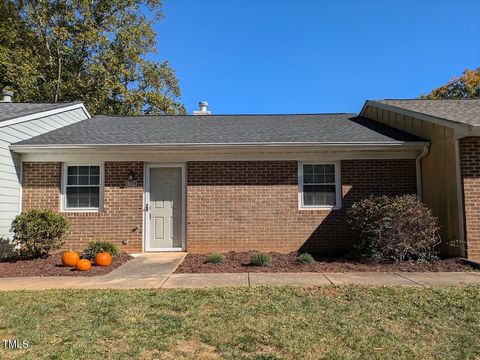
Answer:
(240, 262)
(52, 266)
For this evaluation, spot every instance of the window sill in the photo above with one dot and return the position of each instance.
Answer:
(79, 210)
(329, 208)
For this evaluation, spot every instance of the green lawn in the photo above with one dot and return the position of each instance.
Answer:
(348, 322)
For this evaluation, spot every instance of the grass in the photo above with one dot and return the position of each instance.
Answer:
(348, 322)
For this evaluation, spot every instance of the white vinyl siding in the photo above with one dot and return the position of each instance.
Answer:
(10, 163)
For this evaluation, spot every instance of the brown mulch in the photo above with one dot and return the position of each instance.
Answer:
(52, 266)
(239, 262)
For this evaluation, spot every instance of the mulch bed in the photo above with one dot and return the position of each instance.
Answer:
(239, 262)
(52, 266)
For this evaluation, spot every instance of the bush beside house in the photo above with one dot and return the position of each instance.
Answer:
(394, 228)
(38, 232)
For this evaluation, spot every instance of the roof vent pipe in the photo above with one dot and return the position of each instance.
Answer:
(7, 96)
(203, 105)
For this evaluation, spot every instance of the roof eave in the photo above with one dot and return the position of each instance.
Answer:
(219, 146)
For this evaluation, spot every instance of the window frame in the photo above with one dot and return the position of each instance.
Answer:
(338, 186)
(64, 207)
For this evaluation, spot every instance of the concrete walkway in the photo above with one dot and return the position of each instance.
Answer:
(156, 271)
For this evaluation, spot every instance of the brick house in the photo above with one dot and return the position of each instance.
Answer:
(247, 182)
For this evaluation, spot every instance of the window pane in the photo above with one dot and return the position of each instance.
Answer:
(72, 191)
(330, 198)
(83, 170)
(94, 196)
(319, 195)
(308, 195)
(94, 180)
(72, 180)
(83, 201)
(327, 195)
(72, 170)
(319, 169)
(329, 178)
(94, 170)
(83, 180)
(330, 168)
(308, 169)
(308, 178)
(72, 198)
(80, 197)
(318, 178)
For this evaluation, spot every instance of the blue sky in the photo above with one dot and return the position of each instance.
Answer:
(307, 56)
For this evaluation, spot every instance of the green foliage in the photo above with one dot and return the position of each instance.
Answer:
(306, 258)
(466, 86)
(216, 258)
(95, 51)
(38, 232)
(394, 228)
(260, 260)
(96, 247)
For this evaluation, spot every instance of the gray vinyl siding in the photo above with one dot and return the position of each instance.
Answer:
(10, 163)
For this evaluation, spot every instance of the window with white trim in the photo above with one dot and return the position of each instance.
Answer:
(82, 187)
(319, 185)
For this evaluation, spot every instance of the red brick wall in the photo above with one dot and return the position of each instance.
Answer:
(470, 170)
(248, 205)
(120, 219)
(253, 205)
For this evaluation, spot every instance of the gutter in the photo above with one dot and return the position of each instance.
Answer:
(418, 163)
(461, 214)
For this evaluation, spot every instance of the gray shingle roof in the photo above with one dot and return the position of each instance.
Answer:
(222, 129)
(12, 110)
(460, 111)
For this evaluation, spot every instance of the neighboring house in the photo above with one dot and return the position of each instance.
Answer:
(451, 168)
(21, 121)
(252, 182)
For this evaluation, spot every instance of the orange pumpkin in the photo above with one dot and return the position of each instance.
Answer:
(70, 258)
(84, 265)
(103, 259)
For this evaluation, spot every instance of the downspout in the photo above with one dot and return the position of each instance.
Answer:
(461, 215)
(418, 162)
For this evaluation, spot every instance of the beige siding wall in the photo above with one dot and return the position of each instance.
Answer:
(439, 182)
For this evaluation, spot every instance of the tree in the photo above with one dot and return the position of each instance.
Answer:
(96, 51)
(466, 86)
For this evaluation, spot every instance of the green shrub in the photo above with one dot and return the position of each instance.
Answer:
(306, 258)
(394, 228)
(216, 258)
(38, 232)
(260, 259)
(96, 247)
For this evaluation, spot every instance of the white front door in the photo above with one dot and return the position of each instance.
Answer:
(165, 212)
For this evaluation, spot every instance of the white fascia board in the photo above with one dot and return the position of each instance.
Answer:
(220, 146)
(43, 114)
(418, 115)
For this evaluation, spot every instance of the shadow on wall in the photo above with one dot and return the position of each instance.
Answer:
(360, 179)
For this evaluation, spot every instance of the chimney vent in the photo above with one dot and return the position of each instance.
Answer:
(7, 96)
(203, 105)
